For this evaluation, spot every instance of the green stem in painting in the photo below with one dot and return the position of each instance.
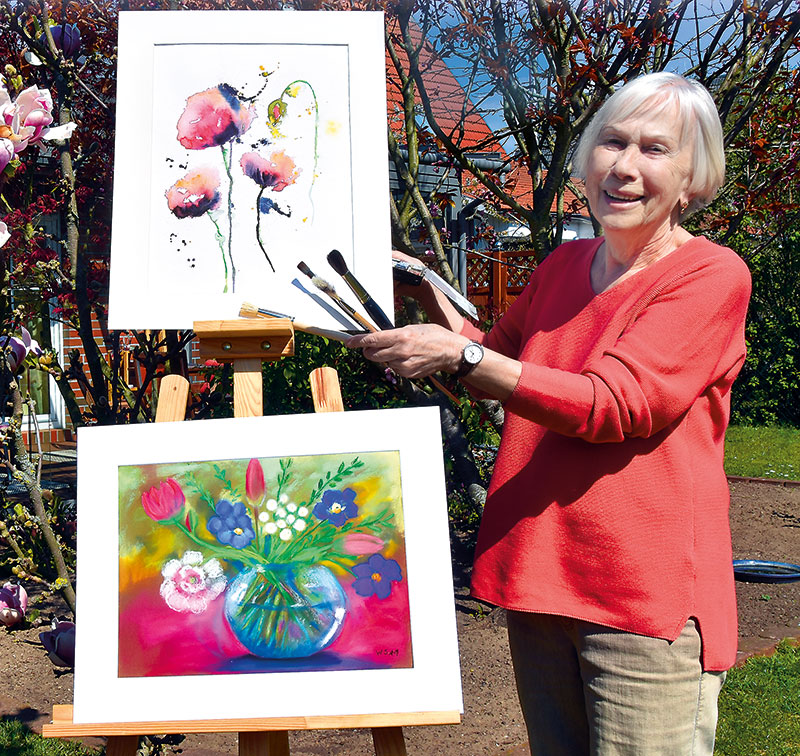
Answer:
(221, 242)
(316, 135)
(227, 159)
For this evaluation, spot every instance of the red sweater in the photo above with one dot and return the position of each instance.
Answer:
(609, 502)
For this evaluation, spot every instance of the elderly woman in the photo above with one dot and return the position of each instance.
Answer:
(605, 533)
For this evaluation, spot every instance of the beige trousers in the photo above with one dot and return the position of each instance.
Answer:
(589, 689)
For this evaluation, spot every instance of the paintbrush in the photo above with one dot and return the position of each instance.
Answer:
(370, 305)
(328, 289)
(248, 310)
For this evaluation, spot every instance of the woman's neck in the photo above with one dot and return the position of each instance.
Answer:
(619, 257)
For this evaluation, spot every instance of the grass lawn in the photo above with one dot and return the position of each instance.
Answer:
(759, 707)
(17, 740)
(763, 452)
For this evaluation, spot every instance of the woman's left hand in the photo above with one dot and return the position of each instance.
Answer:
(414, 351)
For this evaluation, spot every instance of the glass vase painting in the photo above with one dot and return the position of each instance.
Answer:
(241, 152)
(274, 564)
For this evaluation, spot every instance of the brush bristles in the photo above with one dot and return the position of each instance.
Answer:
(248, 310)
(303, 268)
(337, 261)
(323, 286)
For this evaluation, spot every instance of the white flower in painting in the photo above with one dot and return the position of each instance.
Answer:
(285, 535)
(291, 507)
(299, 525)
(272, 505)
(189, 585)
(270, 528)
(302, 512)
(263, 517)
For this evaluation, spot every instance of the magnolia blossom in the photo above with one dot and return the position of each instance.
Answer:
(27, 119)
(189, 585)
(13, 604)
(164, 502)
(195, 194)
(67, 38)
(213, 117)
(276, 172)
(18, 348)
(6, 155)
(4, 234)
(59, 642)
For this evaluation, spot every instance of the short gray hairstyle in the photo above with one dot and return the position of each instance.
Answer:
(698, 116)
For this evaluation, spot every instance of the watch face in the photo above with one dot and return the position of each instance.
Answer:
(473, 353)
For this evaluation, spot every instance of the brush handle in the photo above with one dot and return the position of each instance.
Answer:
(326, 332)
(370, 305)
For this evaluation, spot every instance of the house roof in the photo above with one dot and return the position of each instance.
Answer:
(459, 117)
(455, 113)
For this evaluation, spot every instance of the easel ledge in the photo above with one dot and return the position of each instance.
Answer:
(64, 727)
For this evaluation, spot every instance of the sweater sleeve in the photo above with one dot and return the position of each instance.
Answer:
(686, 336)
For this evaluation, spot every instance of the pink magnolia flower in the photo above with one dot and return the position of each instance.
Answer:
(19, 348)
(27, 120)
(4, 233)
(164, 502)
(189, 585)
(59, 642)
(196, 193)
(13, 604)
(6, 153)
(361, 544)
(213, 117)
(276, 172)
(254, 481)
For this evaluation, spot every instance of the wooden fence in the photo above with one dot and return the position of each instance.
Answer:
(496, 279)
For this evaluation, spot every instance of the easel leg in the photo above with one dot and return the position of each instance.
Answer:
(389, 741)
(122, 745)
(274, 743)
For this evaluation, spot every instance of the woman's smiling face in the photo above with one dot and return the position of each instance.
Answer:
(638, 174)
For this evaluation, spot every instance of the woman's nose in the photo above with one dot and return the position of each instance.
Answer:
(625, 163)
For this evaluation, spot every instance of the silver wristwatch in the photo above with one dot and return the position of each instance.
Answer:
(470, 357)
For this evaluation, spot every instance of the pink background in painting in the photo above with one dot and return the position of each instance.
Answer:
(157, 641)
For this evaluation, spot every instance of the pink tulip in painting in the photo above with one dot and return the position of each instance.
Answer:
(165, 501)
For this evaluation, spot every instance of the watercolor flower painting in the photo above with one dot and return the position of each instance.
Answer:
(221, 117)
(275, 564)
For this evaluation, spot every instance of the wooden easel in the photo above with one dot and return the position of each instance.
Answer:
(247, 343)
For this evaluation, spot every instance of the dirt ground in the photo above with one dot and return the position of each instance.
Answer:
(765, 520)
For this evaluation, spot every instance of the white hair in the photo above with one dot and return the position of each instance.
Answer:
(655, 93)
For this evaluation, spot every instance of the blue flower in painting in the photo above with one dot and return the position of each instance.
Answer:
(337, 507)
(231, 524)
(266, 205)
(375, 576)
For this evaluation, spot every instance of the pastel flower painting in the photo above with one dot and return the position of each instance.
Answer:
(263, 564)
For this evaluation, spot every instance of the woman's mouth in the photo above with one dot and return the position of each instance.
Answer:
(614, 197)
